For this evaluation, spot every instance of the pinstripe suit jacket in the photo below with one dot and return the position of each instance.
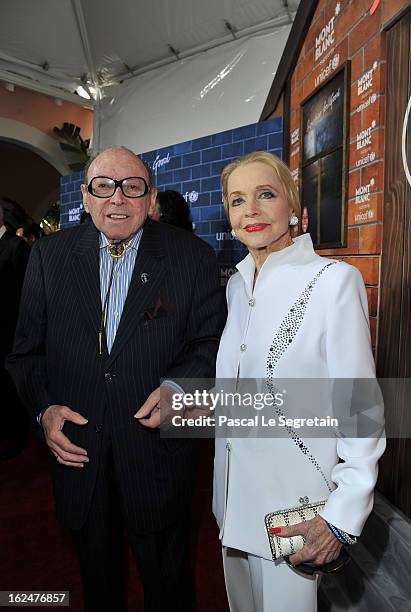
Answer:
(55, 360)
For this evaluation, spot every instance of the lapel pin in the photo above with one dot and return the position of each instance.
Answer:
(144, 277)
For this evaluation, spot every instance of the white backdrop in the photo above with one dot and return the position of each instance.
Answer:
(161, 72)
(214, 91)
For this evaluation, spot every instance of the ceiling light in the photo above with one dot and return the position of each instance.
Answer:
(83, 93)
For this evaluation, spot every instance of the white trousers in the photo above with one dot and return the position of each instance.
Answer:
(256, 585)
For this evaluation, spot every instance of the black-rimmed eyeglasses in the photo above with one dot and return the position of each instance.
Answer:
(105, 187)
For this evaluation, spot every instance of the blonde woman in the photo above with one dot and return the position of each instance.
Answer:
(291, 314)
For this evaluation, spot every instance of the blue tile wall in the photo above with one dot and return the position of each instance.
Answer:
(71, 201)
(194, 169)
(206, 158)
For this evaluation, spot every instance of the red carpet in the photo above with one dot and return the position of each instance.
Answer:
(36, 554)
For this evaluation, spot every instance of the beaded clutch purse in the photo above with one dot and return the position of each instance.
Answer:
(283, 547)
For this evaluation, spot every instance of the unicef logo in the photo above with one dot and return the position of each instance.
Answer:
(191, 196)
(335, 61)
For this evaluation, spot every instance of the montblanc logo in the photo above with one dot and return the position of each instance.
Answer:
(366, 81)
(362, 194)
(326, 37)
(227, 272)
(74, 214)
(364, 137)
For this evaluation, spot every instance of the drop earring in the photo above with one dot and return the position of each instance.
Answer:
(293, 220)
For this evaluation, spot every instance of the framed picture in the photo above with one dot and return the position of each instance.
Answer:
(324, 129)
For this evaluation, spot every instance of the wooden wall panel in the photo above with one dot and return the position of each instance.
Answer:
(394, 347)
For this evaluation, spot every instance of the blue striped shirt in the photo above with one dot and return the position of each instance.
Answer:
(123, 270)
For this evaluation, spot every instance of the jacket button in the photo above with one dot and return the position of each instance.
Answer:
(107, 376)
(251, 302)
(243, 347)
(228, 446)
(98, 429)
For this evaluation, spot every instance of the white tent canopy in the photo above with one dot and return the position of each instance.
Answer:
(209, 63)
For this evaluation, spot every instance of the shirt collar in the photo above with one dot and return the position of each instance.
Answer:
(133, 244)
(300, 251)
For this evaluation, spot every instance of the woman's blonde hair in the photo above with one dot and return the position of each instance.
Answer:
(279, 167)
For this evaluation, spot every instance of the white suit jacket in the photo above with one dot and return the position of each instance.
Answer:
(307, 317)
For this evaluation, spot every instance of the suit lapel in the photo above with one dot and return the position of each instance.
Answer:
(85, 271)
(145, 285)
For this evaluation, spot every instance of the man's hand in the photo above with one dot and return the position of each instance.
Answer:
(65, 452)
(157, 409)
(150, 407)
(321, 546)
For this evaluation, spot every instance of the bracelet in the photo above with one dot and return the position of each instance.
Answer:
(342, 536)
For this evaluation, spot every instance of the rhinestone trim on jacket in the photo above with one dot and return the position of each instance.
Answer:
(283, 338)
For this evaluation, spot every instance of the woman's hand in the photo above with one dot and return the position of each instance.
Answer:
(321, 546)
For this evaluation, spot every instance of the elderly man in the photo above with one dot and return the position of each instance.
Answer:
(109, 308)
